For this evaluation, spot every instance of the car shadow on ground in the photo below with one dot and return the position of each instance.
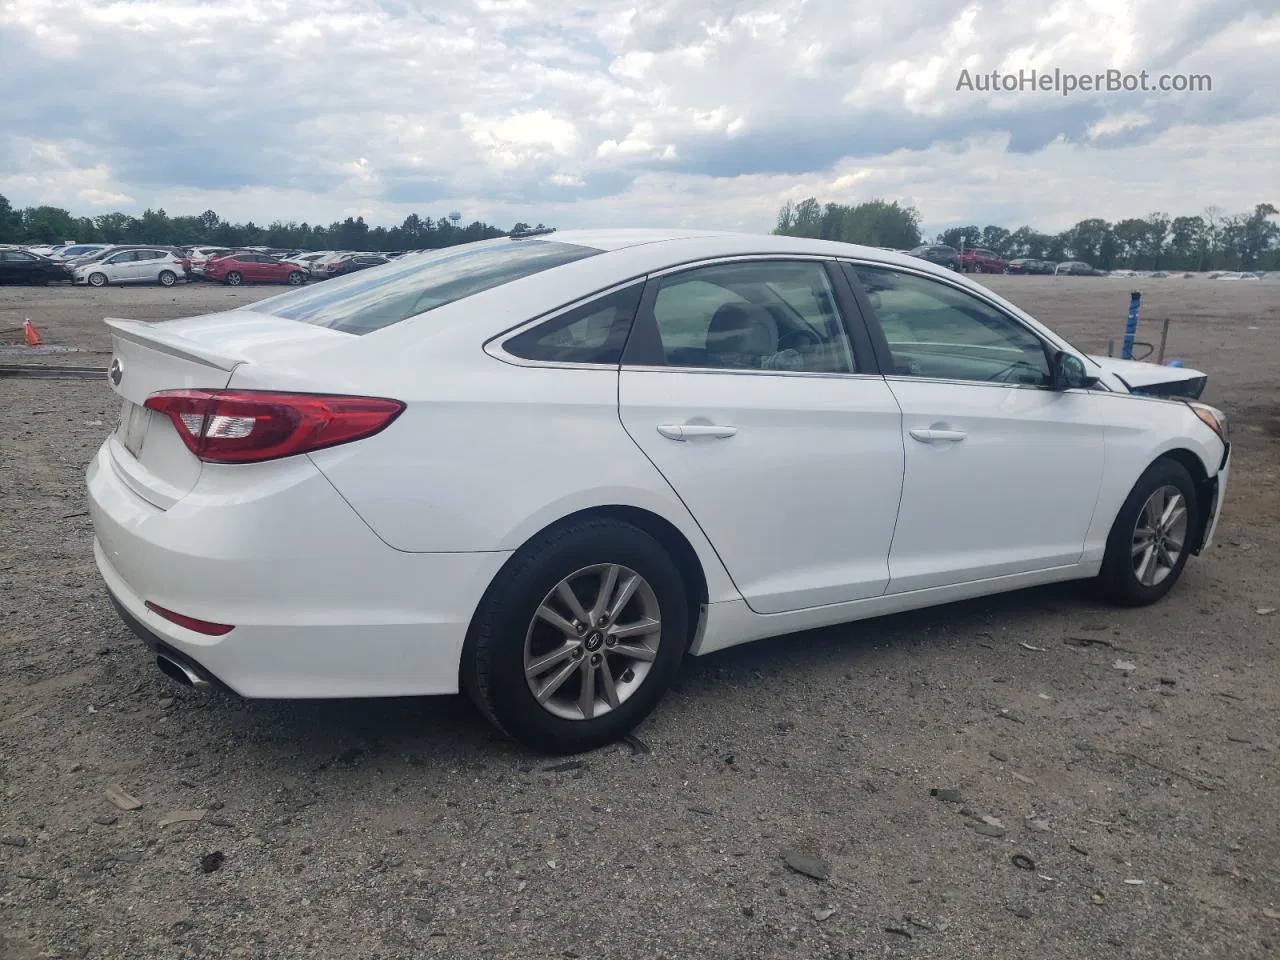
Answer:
(448, 731)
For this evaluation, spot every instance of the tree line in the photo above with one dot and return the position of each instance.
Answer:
(1212, 240)
(55, 225)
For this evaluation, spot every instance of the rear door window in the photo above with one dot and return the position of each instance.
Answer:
(370, 300)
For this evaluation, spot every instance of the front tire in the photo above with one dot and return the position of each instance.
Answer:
(97, 279)
(1151, 537)
(295, 279)
(578, 637)
(234, 279)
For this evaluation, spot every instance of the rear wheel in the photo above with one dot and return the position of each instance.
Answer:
(97, 279)
(234, 279)
(295, 279)
(1151, 537)
(167, 278)
(578, 637)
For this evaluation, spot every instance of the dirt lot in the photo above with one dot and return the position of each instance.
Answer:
(1143, 799)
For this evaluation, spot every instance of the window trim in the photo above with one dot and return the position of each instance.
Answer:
(495, 346)
(645, 343)
(881, 342)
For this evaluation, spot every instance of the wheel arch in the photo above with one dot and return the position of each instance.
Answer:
(1206, 489)
(669, 537)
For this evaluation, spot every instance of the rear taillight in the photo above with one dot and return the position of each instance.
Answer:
(247, 426)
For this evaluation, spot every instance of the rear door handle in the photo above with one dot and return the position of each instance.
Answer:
(937, 435)
(694, 431)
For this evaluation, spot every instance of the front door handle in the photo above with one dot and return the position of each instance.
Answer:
(694, 431)
(937, 435)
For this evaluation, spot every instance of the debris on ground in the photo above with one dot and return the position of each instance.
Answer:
(824, 914)
(1022, 861)
(564, 766)
(181, 816)
(121, 799)
(809, 865)
(1125, 666)
(947, 794)
(1022, 778)
(212, 861)
(988, 830)
(998, 755)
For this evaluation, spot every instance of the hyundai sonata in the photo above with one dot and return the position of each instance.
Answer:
(544, 469)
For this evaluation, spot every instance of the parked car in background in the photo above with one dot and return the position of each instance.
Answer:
(354, 263)
(318, 267)
(939, 253)
(237, 268)
(1078, 268)
(200, 257)
(981, 260)
(23, 266)
(161, 265)
(67, 254)
(304, 260)
(289, 507)
(1028, 265)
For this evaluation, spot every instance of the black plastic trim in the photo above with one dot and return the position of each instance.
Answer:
(159, 647)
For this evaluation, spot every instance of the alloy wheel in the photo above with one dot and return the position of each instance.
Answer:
(592, 641)
(1160, 535)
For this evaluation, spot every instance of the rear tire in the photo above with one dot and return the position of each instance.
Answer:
(1151, 537)
(167, 278)
(511, 649)
(234, 279)
(97, 279)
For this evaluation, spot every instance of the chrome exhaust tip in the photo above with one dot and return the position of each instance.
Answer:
(181, 673)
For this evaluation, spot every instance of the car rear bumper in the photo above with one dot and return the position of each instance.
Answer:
(320, 606)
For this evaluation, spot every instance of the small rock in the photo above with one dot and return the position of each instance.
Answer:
(13, 840)
(1135, 882)
(522, 886)
(166, 702)
(74, 768)
(105, 819)
(1037, 824)
(49, 890)
(987, 830)
(1022, 913)
(1265, 611)
(824, 914)
(217, 821)
(810, 866)
(991, 821)
(1168, 682)
(946, 794)
(748, 911)
(212, 861)
(1022, 778)
(1271, 914)
(187, 763)
(1125, 666)
(998, 755)
(122, 800)
(1097, 899)
(181, 816)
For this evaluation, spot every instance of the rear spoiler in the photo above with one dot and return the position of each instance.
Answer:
(155, 337)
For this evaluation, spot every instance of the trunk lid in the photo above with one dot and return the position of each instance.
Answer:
(200, 352)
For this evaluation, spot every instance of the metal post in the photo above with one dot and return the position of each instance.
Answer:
(1164, 338)
(1131, 325)
(1111, 347)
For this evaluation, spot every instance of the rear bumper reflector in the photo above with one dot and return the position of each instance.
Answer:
(191, 623)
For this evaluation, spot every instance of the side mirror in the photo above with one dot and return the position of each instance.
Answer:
(1069, 372)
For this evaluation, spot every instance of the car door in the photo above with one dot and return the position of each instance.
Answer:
(146, 266)
(1002, 471)
(118, 267)
(754, 391)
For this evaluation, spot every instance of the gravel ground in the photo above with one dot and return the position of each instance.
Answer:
(1126, 761)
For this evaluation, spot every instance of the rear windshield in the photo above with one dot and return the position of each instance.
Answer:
(376, 298)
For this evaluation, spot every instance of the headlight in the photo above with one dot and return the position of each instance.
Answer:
(1214, 418)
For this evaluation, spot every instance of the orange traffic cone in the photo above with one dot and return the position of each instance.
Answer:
(29, 334)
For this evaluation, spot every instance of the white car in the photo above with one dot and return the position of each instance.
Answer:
(135, 265)
(79, 250)
(544, 470)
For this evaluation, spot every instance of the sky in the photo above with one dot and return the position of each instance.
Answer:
(708, 113)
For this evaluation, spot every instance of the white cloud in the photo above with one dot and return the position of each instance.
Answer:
(670, 111)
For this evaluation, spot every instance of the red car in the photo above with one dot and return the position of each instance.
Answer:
(978, 260)
(238, 268)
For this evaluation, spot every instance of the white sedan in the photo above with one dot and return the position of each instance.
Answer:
(543, 470)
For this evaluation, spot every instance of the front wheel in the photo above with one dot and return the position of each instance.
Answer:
(97, 279)
(1151, 537)
(295, 279)
(234, 279)
(578, 637)
(167, 278)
